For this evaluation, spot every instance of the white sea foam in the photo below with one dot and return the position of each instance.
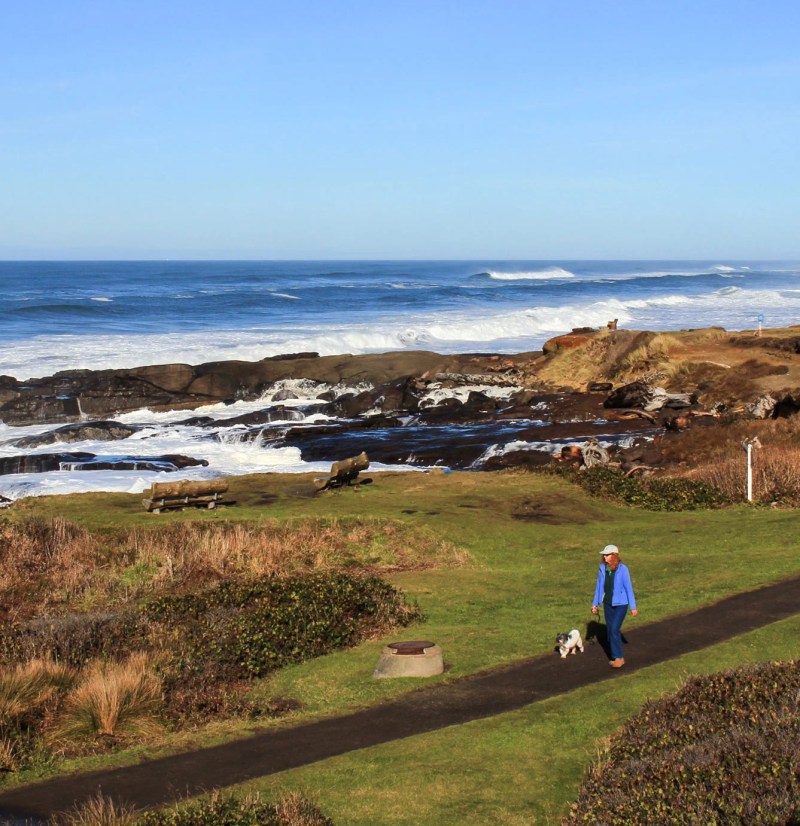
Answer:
(271, 460)
(101, 298)
(436, 393)
(286, 295)
(447, 332)
(537, 275)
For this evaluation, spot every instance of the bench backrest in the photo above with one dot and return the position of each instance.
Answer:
(353, 465)
(186, 487)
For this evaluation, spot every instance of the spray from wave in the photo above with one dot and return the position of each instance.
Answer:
(535, 275)
(447, 331)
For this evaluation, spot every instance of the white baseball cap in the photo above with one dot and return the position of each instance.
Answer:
(610, 549)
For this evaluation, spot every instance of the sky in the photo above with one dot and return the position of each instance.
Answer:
(395, 130)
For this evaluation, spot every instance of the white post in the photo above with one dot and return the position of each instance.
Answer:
(749, 472)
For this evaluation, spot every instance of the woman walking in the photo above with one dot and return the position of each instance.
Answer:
(615, 592)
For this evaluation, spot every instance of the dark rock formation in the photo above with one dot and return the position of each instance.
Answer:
(635, 394)
(787, 406)
(570, 341)
(518, 458)
(43, 462)
(94, 431)
(40, 462)
(73, 395)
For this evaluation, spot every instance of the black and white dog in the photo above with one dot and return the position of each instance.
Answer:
(569, 643)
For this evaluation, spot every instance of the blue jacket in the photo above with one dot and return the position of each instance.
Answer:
(623, 590)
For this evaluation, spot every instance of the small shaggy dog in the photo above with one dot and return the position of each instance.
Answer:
(569, 643)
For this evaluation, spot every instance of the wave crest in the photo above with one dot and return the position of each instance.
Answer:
(534, 275)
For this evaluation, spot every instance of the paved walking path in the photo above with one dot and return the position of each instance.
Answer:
(427, 709)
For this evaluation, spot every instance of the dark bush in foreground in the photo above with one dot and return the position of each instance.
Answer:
(247, 629)
(723, 750)
(229, 810)
(74, 639)
(650, 494)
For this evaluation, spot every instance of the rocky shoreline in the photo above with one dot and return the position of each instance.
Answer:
(478, 411)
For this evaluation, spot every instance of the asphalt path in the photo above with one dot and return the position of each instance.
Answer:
(486, 694)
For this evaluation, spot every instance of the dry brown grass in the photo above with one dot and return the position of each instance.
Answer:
(99, 811)
(8, 754)
(574, 368)
(652, 359)
(59, 563)
(723, 462)
(776, 475)
(50, 550)
(114, 699)
(25, 688)
(295, 810)
(189, 550)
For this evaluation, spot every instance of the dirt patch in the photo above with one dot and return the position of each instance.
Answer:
(552, 510)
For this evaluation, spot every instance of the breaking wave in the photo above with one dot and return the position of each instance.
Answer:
(451, 331)
(535, 275)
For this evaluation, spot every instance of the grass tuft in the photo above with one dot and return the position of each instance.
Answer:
(26, 688)
(114, 699)
(99, 811)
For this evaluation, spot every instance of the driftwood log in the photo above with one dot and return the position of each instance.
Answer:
(344, 473)
(186, 494)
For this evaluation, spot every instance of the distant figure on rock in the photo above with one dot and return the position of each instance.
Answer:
(612, 325)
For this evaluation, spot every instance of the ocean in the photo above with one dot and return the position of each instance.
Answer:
(75, 315)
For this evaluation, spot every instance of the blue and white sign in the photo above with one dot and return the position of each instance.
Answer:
(760, 318)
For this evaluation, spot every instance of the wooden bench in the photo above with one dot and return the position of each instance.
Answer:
(344, 474)
(165, 496)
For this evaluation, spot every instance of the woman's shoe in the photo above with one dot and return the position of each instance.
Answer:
(618, 663)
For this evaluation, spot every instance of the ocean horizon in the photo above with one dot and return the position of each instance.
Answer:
(64, 315)
(72, 315)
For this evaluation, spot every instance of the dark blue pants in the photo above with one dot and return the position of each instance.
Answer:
(615, 614)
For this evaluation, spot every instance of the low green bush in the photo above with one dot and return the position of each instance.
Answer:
(238, 630)
(722, 750)
(75, 639)
(230, 810)
(650, 494)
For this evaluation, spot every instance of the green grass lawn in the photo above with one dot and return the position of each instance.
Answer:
(532, 543)
(523, 767)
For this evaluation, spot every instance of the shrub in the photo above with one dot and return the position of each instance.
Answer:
(721, 750)
(114, 699)
(650, 494)
(194, 700)
(245, 629)
(775, 475)
(230, 810)
(75, 639)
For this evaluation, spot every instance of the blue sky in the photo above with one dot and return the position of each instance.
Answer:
(419, 129)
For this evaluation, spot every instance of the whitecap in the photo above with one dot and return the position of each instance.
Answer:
(534, 275)
(103, 298)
